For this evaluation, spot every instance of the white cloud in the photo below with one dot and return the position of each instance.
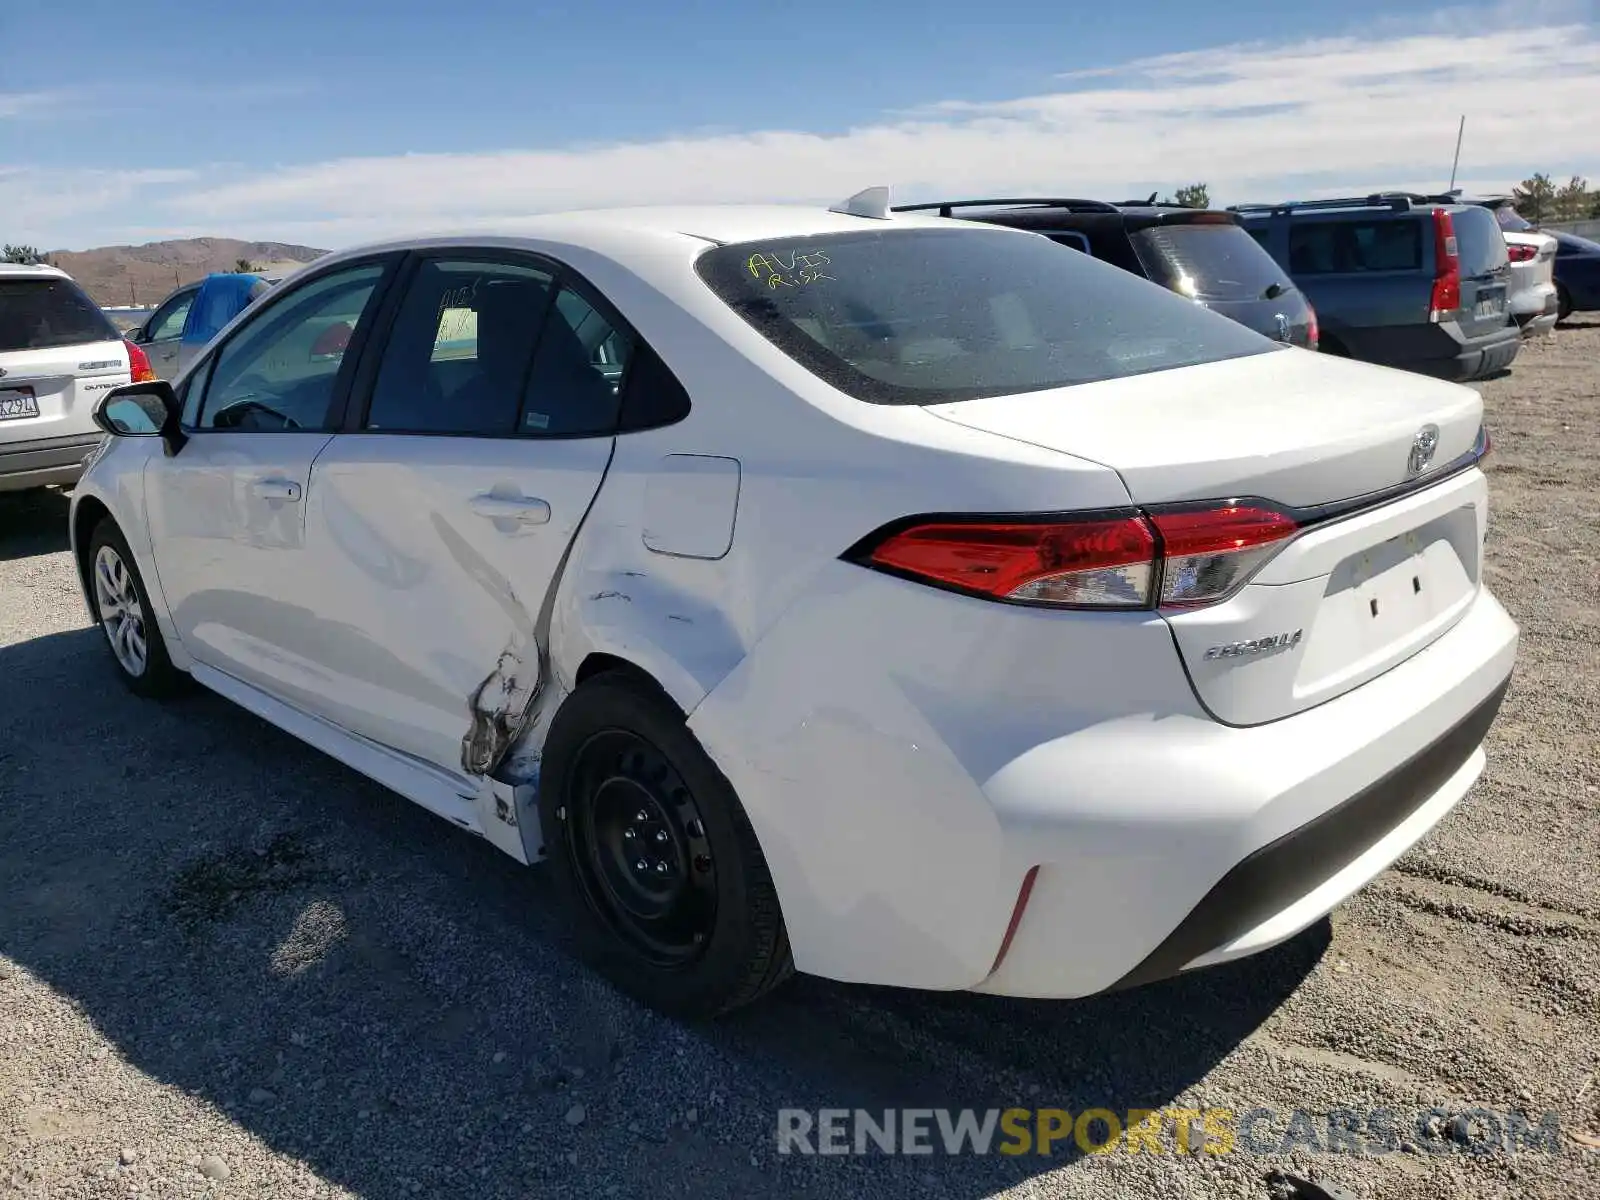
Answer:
(1255, 121)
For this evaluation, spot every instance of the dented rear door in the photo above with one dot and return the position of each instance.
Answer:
(441, 522)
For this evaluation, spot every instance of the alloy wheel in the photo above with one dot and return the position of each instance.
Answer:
(121, 614)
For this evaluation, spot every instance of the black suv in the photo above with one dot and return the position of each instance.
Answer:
(1398, 279)
(1198, 253)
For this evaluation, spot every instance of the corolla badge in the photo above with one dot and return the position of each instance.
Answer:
(1266, 645)
(1422, 448)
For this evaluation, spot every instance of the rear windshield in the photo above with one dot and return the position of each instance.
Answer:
(925, 316)
(1509, 218)
(1479, 241)
(36, 314)
(1212, 262)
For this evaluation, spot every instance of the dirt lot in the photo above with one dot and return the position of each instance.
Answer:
(229, 965)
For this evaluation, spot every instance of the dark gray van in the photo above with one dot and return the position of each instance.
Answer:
(1398, 280)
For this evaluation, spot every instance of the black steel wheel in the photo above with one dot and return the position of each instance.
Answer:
(639, 847)
(667, 889)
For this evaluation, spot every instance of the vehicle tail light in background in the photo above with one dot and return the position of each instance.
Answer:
(1446, 267)
(139, 364)
(1313, 333)
(1209, 552)
(1180, 558)
(1517, 253)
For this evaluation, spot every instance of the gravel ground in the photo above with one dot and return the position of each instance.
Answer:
(230, 966)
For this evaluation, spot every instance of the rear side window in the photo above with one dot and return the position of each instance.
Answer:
(1345, 247)
(1479, 242)
(1210, 262)
(460, 348)
(38, 314)
(925, 316)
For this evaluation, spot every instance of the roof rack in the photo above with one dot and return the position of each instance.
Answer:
(946, 207)
(1395, 201)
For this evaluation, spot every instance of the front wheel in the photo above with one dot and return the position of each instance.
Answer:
(1563, 302)
(668, 890)
(122, 609)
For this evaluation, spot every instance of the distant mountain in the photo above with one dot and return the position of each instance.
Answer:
(144, 274)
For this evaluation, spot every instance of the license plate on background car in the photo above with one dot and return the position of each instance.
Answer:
(14, 405)
(1490, 306)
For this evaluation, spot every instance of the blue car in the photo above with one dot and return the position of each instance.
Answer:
(1577, 273)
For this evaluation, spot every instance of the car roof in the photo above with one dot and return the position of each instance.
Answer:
(604, 229)
(31, 271)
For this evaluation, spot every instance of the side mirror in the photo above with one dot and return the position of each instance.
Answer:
(142, 410)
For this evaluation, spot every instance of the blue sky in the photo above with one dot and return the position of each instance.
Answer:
(328, 122)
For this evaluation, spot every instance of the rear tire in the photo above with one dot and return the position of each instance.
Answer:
(123, 611)
(1563, 303)
(668, 891)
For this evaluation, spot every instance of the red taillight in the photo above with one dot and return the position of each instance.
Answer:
(139, 364)
(1518, 253)
(1171, 558)
(1446, 267)
(1313, 333)
(1102, 562)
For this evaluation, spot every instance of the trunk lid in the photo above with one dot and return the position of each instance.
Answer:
(58, 354)
(1297, 428)
(1349, 597)
(51, 393)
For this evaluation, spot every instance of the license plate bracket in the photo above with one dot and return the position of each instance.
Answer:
(1491, 305)
(17, 404)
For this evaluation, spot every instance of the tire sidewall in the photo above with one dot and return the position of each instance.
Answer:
(613, 703)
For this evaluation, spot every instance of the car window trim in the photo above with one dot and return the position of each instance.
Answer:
(359, 401)
(285, 294)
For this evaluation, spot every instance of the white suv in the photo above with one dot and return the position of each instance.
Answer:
(58, 355)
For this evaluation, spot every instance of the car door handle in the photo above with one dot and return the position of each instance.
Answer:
(276, 489)
(524, 510)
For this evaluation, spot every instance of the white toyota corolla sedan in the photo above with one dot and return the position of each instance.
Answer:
(895, 599)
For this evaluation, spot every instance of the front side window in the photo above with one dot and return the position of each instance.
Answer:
(925, 316)
(43, 313)
(458, 355)
(280, 370)
(168, 322)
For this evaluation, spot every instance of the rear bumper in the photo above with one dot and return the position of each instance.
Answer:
(908, 759)
(41, 462)
(1264, 829)
(1239, 914)
(1440, 350)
